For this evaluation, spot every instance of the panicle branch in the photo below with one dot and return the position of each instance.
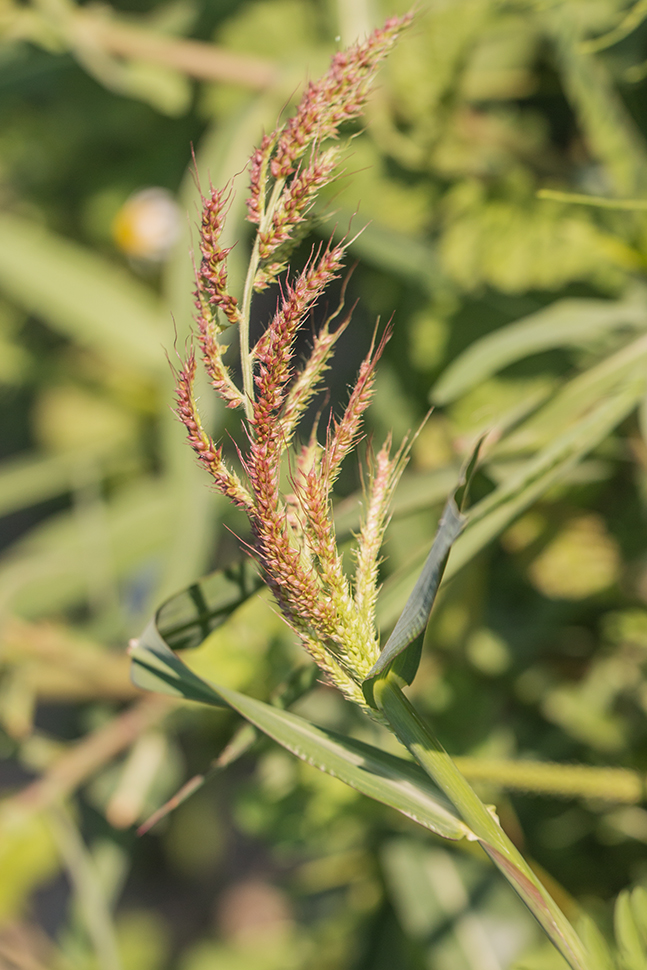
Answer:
(308, 380)
(209, 454)
(296, 201)
(212, 275)
(275, 349)
(259, 165)
(339, 96)
(282, 191)
(343, 437)
(211, 295)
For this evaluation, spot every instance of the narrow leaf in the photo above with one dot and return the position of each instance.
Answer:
(404, 646)
(415, 615)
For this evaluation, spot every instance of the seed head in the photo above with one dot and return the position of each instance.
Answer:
(293, 533)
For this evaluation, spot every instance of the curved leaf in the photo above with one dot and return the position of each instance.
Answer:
(402, 650)
(383, 777)
(415, 615)
(187, 618)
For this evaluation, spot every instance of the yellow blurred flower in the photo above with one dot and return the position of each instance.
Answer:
(147, 225)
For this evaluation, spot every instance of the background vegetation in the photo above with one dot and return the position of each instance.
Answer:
(537, 650)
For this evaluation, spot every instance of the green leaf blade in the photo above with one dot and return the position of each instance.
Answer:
(386, 778)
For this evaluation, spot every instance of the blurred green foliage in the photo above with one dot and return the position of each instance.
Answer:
(518, 315)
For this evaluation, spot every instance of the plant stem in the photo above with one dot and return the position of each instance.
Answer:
(430, 754)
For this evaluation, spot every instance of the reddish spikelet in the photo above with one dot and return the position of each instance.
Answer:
(344, 435)
(296, 201)
(212, 274)
(338, 97)
(275, 349)
(258, 178)
(209, 454)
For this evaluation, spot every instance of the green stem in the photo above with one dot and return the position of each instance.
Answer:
(246, 361)
(433, 758)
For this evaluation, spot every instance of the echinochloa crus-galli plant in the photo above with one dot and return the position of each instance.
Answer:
(292, 533)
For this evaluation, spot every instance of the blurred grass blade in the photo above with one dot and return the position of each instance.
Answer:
(607, 126)
(89, 894)
(446, 903)
(626, 366)
(381, 246)
(630, 936)
(493, 514)
(566, 323)
(383, 777)
(300, 682)
(25, 481)
(599, 201)
(48, 569)
(416, 492)
(82, 296)
(489, 517)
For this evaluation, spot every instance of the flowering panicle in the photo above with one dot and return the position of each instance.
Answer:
(293, 535)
